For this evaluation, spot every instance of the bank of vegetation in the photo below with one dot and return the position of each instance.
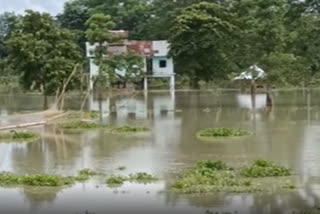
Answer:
(211, 42)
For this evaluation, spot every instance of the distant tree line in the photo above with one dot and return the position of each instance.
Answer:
(210, 40)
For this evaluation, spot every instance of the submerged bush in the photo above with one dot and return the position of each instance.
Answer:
(26, 135)
(82, 125)
(7, 178)
(130, 129)
(264, 168)
(222, 132)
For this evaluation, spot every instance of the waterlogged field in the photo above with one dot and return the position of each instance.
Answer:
(146, 155)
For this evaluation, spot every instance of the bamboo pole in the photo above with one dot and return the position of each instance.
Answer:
(24, 125)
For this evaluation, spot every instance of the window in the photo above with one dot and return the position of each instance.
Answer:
(163, 63)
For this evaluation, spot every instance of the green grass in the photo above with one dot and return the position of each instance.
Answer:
(264, 168)
(130, 129)
(81, 125)
(222, 132)
(19, 136)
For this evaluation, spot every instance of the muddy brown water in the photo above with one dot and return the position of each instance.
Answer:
(289, 134)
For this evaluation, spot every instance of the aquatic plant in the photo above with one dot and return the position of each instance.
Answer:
(142, 177)
(121, 168)
(82, 114)
(208, 176)
(222, 132)
(85, 174)
(264, 168)
(7, 178)
(116, 180)
(22, 135)
(81, 125)
(130, 129)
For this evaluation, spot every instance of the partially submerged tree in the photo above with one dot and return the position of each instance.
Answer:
(43, 54)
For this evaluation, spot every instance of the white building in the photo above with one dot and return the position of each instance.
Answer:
(155, 53)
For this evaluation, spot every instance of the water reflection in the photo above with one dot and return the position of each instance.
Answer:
(288, 134)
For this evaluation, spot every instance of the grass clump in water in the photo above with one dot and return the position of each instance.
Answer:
(81, 125)
(209, 176)
(222, 132)
(264, 168)
(7, 178)
(19, 136)
(130, 129)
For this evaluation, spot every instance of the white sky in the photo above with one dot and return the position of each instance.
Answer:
(18, 6)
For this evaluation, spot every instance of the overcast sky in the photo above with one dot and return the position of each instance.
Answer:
(18, 6)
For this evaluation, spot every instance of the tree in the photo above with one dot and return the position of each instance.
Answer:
(130, 65)
(98, 33)
(43, 54)
(7, 23)
(73, 17)
(202, 41)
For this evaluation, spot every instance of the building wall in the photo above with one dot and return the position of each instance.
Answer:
(157, 70)
(160, 48)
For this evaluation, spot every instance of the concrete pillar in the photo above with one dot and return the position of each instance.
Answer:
(172, 82)
(145, 83)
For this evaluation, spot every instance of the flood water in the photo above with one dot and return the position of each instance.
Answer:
(289, 134)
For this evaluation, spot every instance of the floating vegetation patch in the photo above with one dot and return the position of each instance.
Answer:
(215, 176)
(82, 125)
(140, 177)
(210, 176)
(7, 178)
(82, 114)
(19, 136)
(116, 180)
(222, 132)
(129, 129)
(85, 174)
(122, 168)
(264, 168)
